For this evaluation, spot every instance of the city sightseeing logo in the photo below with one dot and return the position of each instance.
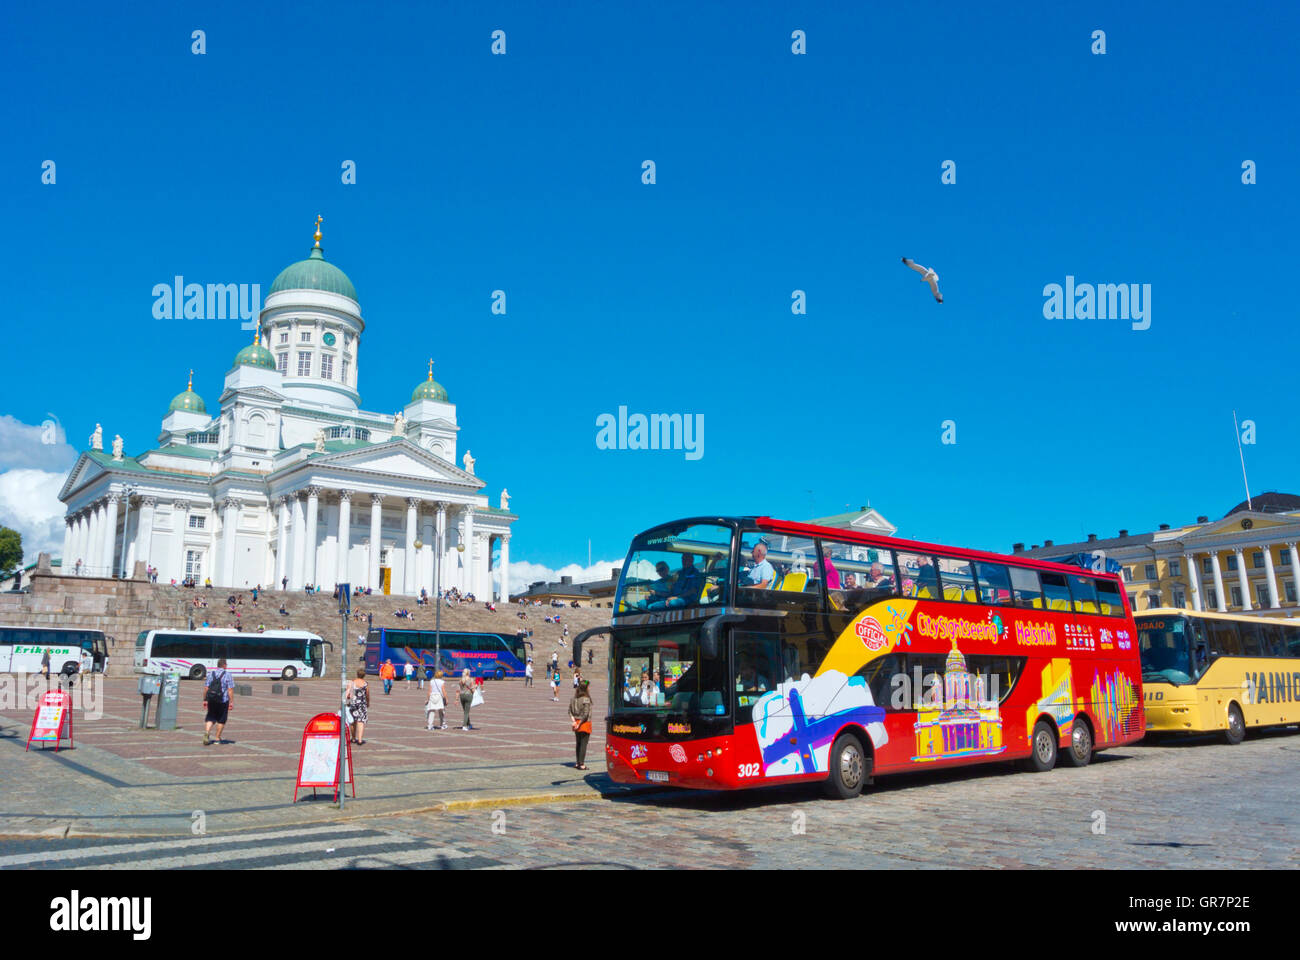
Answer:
(677, 753)
(871, 634)
(638, 754)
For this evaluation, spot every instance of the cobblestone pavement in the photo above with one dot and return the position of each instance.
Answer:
(1185, 805)
(123, 780)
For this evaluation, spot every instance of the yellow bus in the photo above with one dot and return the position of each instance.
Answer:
(1203, 672)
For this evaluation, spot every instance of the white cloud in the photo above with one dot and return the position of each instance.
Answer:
(42, 446)
(523, 573)
(29, 503)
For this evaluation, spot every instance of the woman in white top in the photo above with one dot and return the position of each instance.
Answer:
(435, 709)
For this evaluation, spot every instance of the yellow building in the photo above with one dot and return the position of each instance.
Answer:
(1246, 562)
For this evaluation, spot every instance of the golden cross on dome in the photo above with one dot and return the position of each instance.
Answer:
(319, 218)
(431, 368)
(190, 385)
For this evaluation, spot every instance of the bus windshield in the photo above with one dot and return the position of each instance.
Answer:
(1166, 650)
(681, 565)
(661, 671)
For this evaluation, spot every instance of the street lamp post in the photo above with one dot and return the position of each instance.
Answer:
(345, 608)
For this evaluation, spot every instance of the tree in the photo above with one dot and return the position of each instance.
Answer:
(11, 549)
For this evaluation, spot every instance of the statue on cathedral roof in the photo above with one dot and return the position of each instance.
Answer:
(97, 438)
(320, 441)
(117, 448)
(505, 499)
(399, 424)
(469, 464)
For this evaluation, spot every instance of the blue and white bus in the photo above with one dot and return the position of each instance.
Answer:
(488, 655)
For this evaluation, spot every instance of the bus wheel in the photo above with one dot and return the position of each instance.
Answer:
(289, 673)
(848, 765)
(1080, 752)
(1043, 756)
(501, 674)
(1236, 731)
(197, 671)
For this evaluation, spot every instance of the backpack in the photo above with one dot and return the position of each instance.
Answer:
(214, 693)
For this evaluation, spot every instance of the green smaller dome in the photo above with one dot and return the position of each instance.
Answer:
(255, 355)
(187, 402)
(429, 390)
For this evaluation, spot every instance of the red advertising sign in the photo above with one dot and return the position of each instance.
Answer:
(53, 714)
(318, 760)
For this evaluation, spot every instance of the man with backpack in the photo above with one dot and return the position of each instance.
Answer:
(217, 698)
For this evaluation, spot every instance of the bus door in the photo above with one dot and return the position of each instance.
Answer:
(315, 657)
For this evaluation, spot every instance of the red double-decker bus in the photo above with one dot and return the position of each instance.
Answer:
(748, 651)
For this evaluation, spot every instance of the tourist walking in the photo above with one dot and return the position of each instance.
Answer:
(217, 698)
(435, 708)
(357, 700)
(580, 718)
(528, 673)
(555, 684)
(388, 673)
(466, 696)
(409, 670)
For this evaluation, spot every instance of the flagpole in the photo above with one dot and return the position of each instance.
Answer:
(1240, 453)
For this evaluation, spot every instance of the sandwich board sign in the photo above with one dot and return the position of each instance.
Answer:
(53, 715)
(318, 760)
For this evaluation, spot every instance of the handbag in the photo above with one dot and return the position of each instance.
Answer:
(478, 699)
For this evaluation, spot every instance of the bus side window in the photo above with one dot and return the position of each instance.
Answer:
(1224, 641)
(994, 583)
(958, 580)
(802, 655)
(1274, 639)
(1056, 592)
(1025, 588)
(1084, 591)
(1251, 639)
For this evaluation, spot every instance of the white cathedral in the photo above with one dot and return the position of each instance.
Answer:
(291, 481)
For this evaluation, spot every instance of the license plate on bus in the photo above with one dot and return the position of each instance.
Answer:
(658, 776)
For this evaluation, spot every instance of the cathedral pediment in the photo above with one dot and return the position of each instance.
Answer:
(398, 457)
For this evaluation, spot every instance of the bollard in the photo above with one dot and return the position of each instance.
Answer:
(277, 688)
(244, 689)
(169, 702)
(293, 691)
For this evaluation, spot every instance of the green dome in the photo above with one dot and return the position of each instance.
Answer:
(255, 355)
(429, 390)
(187, 402)
(314, 273)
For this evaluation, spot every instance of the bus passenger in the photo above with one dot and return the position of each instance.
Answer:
(749, 679)
(760, 575)
(686, 588)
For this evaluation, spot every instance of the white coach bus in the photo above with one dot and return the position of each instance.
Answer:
(287, 654)
(71, 650)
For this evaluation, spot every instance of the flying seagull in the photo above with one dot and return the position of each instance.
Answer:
(928, 276)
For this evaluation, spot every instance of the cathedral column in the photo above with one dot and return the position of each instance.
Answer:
(345, 534)
(108, 540)
(144, 532)
(505, 568)
(94, 548)
(69, 530)
(1272, 577)
(309, 555)
(74, 549)
(1295, 567)
(281, 542)
(1193, 577)
(298, 562)
(180, 514)
(470, 569)
(426, 554)
(376, 533)
(409, 560)
(1221, 600)
(229, 525)
(1241, 579)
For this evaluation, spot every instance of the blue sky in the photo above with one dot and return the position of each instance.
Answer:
(775, 173)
